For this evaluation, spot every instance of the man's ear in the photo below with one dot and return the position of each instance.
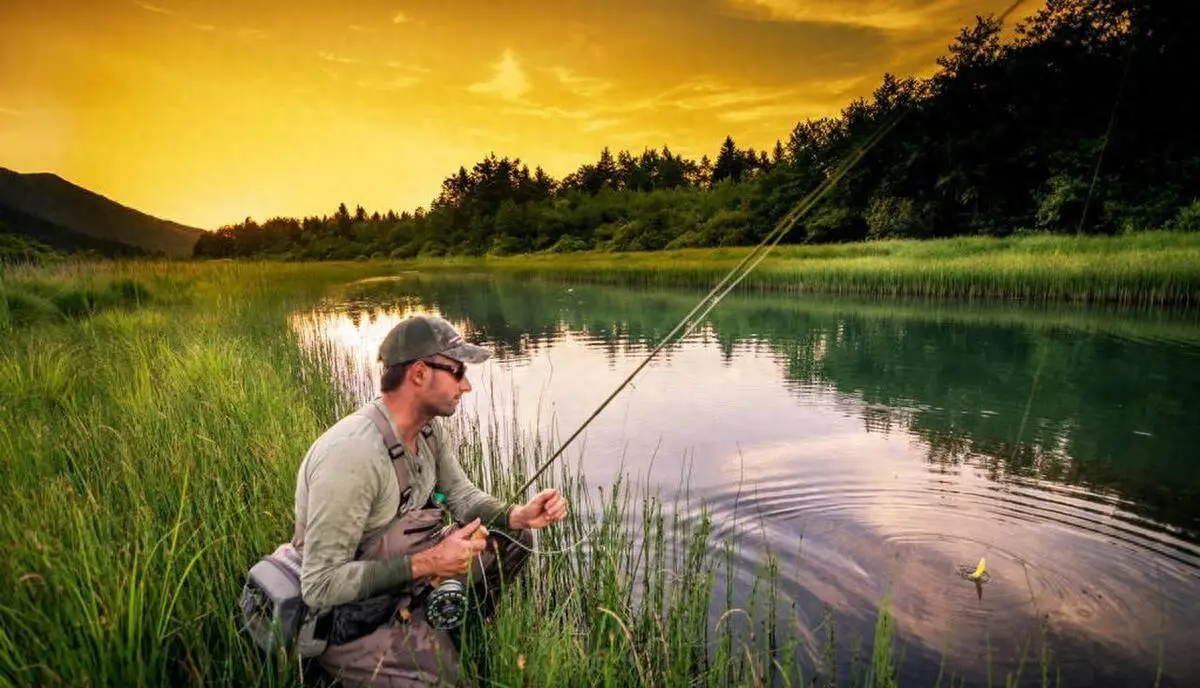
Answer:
(416, 374)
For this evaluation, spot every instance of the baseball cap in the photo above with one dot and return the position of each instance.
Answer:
(421, 336)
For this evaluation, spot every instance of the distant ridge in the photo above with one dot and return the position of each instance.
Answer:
(70, 217)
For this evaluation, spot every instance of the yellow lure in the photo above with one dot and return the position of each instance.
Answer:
(978, 570)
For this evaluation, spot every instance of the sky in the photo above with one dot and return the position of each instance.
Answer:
(209, 112)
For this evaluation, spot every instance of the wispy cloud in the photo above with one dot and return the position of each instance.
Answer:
(248, 33)
(151, 8)
(340, 59)
(411, 68)
(709, 94)
(547, 111)
(584, 86)
(400, 18)
(891, 15)
(600, 124)
(791, 111)
(705, 93)
(10, 112)
(361, 29)
(204, 27)
(392, 84)
(508, 79)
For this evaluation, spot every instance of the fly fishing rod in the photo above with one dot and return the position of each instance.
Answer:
(743, 268)
(731, 280)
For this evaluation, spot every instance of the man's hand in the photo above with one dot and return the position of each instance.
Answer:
(546, 508)
(452, 556)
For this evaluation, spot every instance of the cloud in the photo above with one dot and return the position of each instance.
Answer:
(888, 15)
(151, 8)
(600, 124)
(411, 68)
(547, 111)
(340, 59)
(10, 112)
(710, 95)
(247, 33)
(706, 93)
(792, 111)
(393, 84)
(204, 27)
(584, 86)
(400, 18)
(361, 29)
(508, 79)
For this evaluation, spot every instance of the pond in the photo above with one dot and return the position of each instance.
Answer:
(874, 444)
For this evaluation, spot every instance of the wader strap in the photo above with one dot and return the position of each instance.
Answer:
(379, 417)
(378, 414)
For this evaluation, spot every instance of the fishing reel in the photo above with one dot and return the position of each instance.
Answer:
(446, 606)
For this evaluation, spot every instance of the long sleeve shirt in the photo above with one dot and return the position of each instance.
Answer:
(346, 490)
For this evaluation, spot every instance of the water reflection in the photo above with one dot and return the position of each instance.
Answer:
(873, 442)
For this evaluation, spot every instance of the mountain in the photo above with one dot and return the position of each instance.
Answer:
(61, 214)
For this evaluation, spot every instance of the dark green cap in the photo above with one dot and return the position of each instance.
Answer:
(422, 336)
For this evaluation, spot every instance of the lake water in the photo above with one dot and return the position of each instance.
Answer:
(876, 440)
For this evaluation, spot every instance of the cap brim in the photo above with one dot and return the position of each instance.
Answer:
(468, 353)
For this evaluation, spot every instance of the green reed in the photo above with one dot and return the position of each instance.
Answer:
(148, 457)
(1146, 268)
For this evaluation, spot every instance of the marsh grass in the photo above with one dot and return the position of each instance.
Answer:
(148, 457)
(1146, 268)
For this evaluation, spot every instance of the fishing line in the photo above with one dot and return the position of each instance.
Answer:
(731, 279)
(749, 263)
(1112, 120)
(534, 550)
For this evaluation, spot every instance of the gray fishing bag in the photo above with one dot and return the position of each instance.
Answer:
(274, 614)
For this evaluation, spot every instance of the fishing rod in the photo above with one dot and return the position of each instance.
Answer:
(729, 281)
(749, 262)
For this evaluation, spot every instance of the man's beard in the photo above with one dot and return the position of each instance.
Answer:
(431, 411)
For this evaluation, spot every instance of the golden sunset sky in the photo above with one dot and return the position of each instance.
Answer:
(206, 112)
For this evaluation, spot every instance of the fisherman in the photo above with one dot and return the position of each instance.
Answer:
(372, 528)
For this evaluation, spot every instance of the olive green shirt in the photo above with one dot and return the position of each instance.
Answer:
(346, 491)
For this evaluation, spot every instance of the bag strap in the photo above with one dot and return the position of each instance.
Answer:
(378, 415)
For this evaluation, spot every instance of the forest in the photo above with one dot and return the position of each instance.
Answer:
(1081, 121)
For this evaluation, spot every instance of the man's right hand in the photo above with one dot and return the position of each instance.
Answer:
(452, 556)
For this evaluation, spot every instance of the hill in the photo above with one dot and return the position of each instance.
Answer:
(57, 212)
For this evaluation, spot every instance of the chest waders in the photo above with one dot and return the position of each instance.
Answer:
(445, 600)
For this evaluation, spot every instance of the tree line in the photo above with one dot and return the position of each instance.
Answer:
(1082, 122)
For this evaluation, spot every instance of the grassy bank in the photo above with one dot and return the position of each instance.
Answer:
(1149, 268)
(148, 457)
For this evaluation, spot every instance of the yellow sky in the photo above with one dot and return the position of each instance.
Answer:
(206, 112)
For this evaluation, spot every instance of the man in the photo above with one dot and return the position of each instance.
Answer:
(360, 516)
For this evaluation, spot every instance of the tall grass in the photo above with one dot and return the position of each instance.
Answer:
(148, 457)
(1146, 268)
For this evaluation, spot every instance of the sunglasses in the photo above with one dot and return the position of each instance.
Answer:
(459, 371)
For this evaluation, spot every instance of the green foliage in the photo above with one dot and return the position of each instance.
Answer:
(15, 248)
(890, 217)
(1061, 202)
(24, 302)
(1188, 218)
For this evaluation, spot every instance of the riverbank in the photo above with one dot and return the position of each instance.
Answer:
(162, 413)
(1143, 269)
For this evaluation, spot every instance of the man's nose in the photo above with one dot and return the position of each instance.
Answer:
(465, 385)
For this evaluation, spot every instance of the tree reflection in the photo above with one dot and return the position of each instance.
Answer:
(1070, 396)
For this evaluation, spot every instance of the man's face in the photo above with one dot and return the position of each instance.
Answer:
(445, 384)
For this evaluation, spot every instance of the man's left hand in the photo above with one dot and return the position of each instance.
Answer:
(546, 508)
